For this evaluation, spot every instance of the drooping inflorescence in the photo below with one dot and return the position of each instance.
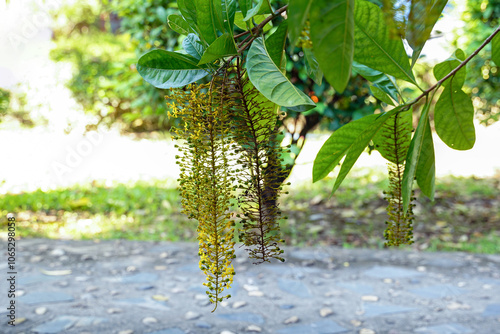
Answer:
(206, 179)
(393, 143)
(230, 156)
(262, 176)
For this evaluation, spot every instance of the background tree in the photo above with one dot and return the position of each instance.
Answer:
(480, 19)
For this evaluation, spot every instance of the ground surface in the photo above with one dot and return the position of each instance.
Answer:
(144, 287)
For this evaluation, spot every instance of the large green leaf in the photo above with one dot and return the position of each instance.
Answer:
(453, 119)
(245, 6)
(426, 165)
(380, 80)
(218, 16)
(167, 69)
(444, 68)
(238, 21)
(228, 11)
(373, 46)
(360, 144)
(188, 11)
(178, 24)
(381, 95)
(193, 46)
(207, 19)
(342, 141)
(261, 7)
(337, 146)
(422, 18)
(312, 66)
(495, 49)
(297, 12)
(414, 152)
(275, 44)
(221, 47)
(332, 34)
(270, 81)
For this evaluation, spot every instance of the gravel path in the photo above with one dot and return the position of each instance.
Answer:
(127, 287)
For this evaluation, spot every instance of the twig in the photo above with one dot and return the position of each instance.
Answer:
(254, 31)
(242, 34)
(452, 73)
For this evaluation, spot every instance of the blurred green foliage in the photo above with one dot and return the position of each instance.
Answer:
(4, 102)
(103, 50)
(104, 41)
(13, 107)
(466, 215)
(483, 77)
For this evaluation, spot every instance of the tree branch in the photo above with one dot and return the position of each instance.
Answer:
(452, 73)
(254, 31)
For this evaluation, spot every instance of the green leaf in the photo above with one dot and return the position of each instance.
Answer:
(297, 13)
(221, 47)
(228, 11)
(373, 46)
(414, 152)
(167, 69)
(384, 140)
(275, 44)
(495, 49)
(262, 7)
(380, 80)
(422, 18)
(381, 95)
(206, 19)
(245, 6)
(270, 81)
(444, 68)
(188, 11)
(312, 66)
(178, 24)
(359, 145)
(193, 46)
(426, 165)
(332, 34)
(337, 146)
(238, 21)
(453, 119)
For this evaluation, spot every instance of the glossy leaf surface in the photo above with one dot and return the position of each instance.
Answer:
(332, 34)
(167, 69)
(270, 81)
(374, 48)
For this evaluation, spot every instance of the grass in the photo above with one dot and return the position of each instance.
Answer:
(139, 211)
(464, 217)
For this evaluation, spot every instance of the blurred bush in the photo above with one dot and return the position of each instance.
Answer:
(103, 49)
(481, 18)
(4, 102)
(13, 106)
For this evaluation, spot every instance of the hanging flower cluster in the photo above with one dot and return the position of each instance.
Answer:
(395, 136)
(229, 156)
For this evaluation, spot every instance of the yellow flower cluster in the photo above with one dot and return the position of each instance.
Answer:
(229, 155)
(206, 181)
